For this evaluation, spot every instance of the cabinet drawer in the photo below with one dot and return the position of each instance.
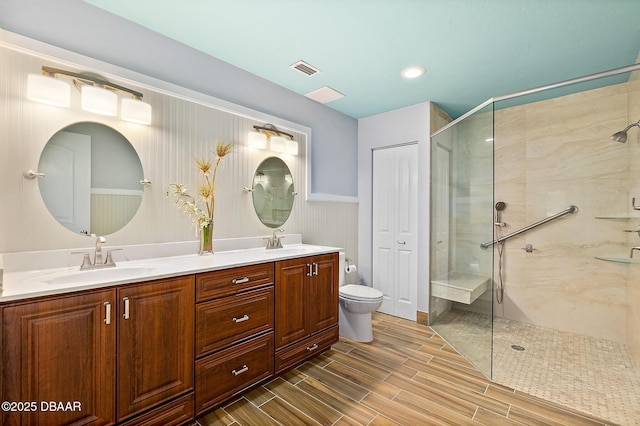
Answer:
(175, 413)
(223, 374)
(231, 281)
(223, 322)
(297, 353)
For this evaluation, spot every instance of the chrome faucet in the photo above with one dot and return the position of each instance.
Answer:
(632, 249)
(97, 261)
(274, 242)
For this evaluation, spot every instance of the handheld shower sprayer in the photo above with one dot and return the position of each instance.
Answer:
(500, 205)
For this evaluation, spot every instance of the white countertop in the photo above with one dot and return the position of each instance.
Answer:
(23, 284)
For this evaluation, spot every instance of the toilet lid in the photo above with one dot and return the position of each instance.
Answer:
(360, 292)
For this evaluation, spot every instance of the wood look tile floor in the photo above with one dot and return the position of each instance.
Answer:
(407, 376)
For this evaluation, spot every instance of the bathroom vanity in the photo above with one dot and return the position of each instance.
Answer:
(165, 349)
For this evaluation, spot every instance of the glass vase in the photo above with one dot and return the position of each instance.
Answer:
(206, 239)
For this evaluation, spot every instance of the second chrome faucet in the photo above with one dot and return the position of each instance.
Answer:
(274, 242)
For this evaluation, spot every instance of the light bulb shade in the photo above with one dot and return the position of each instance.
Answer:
(291, 147)
(257, 140)
(135, 111)
(48, 90)
(278, 144)
(99, 100)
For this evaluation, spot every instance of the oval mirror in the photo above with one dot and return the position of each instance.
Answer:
(273, 192)
(92, 178)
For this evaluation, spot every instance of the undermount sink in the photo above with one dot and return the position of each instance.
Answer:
(294, 249)
(96, 275)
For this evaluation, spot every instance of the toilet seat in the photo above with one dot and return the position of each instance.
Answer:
(360, 293)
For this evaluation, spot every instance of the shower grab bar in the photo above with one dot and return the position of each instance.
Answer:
(571, 209)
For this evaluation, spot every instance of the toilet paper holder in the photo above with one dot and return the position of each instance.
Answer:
(348, 267)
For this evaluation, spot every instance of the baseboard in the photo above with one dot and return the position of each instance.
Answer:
(422, 317)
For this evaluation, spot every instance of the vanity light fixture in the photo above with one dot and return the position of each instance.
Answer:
(98, 100)
(98, 94)
(48, 90)
(278, 141)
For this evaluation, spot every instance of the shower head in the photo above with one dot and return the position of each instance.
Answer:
(500, 205)
(621, 136)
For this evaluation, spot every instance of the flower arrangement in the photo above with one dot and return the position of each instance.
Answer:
(202, 216)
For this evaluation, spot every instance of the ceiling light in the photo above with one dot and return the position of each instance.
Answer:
(48, 90)
(412, 72)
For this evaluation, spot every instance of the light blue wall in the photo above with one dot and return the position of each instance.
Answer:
(80, 27)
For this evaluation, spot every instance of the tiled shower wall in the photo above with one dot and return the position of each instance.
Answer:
(182, 130)
(552, 154)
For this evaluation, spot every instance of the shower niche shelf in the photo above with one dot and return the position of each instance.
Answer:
(619, 259)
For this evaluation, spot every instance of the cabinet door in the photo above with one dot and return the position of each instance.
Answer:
(323, 292)
(61, 350)
(155, 343)
(291, 316)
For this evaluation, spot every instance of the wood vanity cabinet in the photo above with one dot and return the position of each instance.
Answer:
(234, 332)
(60, 350)
(306, 308)
(155, 343)
(117, 352)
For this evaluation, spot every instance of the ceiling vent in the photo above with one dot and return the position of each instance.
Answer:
(324, 94)
(304, 68)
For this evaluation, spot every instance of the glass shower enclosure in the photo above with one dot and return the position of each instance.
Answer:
(534, 229)
(461, 205)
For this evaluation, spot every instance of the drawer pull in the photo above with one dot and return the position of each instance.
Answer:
(242, 370)
(107, 313)
(241, 319)
(126, 308)
(312, 347)
(240, 280)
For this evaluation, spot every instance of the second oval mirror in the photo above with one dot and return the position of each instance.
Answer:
(273, 192)
(92, 178)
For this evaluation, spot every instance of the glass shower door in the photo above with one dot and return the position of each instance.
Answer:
(462, 218)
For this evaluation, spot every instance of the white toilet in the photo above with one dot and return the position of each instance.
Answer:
(357, 302)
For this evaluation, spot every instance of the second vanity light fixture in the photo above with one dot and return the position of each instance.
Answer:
(278, 143)
(98, 95)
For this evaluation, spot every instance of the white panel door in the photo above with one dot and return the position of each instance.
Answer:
(66, 187)
(383, 226)
(395, 222)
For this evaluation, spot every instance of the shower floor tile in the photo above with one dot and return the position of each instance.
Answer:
(595, 376)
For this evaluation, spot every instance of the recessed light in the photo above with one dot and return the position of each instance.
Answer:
(412, 72)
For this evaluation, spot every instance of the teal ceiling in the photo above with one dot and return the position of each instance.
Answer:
(472, 49)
